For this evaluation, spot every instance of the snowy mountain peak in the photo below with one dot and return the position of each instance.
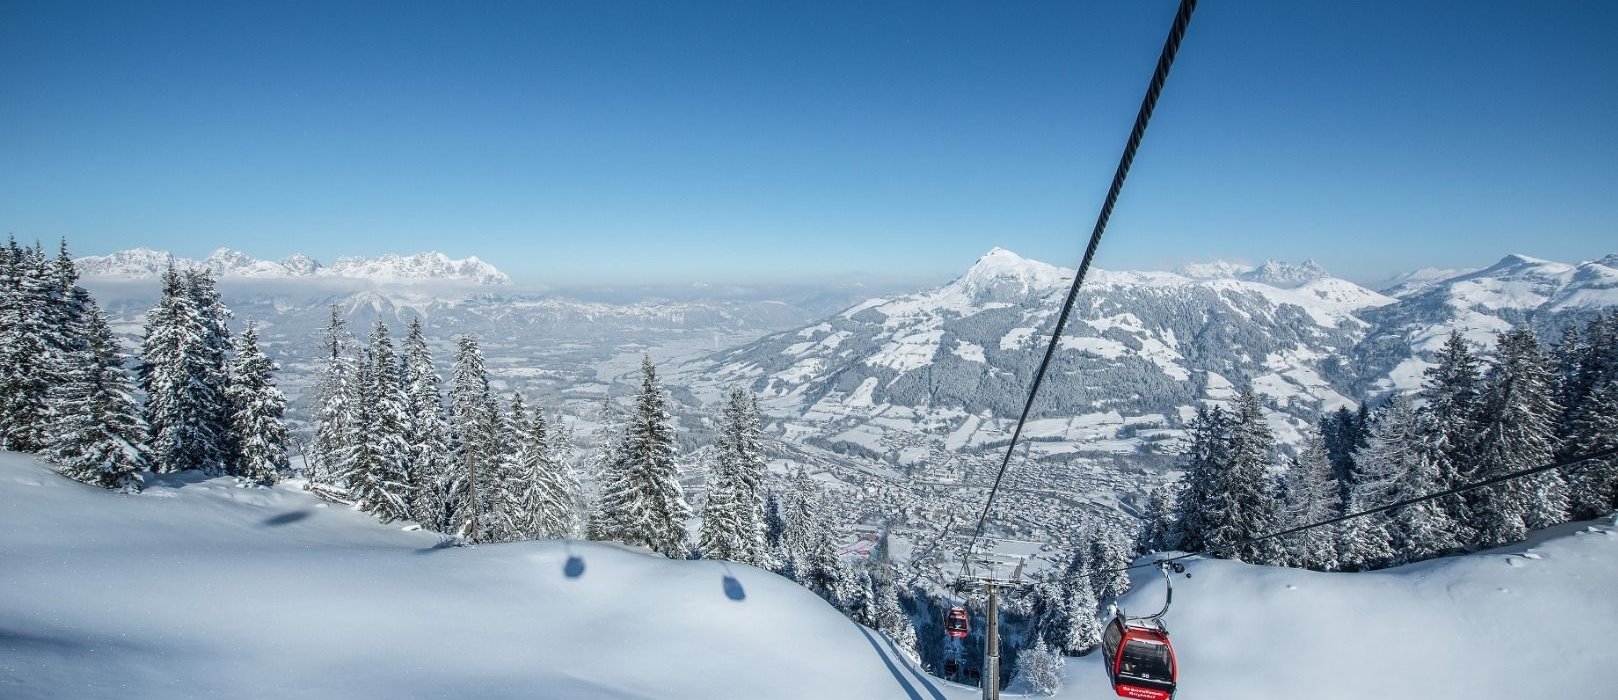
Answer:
(430, 265)
(1284, 274)
(1517, 263)
(225, 262)
(1217, 269)
(1003, 275)
(1275, 273)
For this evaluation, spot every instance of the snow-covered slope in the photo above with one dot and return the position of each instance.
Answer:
(1516, 291)
(1536, 620)
(145, 262)
(200, 588)
(1143, 349)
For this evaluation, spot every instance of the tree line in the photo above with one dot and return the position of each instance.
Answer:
(1472, 419)
(205, 400)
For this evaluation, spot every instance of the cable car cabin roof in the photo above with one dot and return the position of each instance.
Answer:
(1147, 624)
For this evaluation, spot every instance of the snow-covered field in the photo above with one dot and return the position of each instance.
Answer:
(201, 588)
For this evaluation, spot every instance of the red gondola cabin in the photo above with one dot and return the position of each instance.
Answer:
(1140, 659)
(955, 623)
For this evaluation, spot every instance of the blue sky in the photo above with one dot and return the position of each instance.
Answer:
(657, 142)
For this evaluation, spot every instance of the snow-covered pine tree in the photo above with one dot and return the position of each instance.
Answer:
(548, 497)
(733, 517)
(1039, 668)
(1381, 470)
(1514, 429)
(1109, 554)
(65, 317)
(1425, 529)
(1159, 526)
(642, 502)
(1450, 395)
(1082, 631)
(807, 539)
(891, 618)
(566, 482)
(376, 478)
(774, 526)
(183, 391)
(1208, 456)
(1242, 502)
(1343, 432)
(475, 421)
(98, 437)
(337, 399)
(24, 361)
(1592, 424)
(426, 433)
(720, 536)
(258, 411)
(1312, 495)
(211, 370)
(513, 519)
(859, 598)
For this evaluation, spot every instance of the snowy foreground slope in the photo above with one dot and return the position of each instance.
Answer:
(204, 589)
(1535, 620)
(200, 588)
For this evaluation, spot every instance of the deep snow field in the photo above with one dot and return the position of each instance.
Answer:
(199, 588)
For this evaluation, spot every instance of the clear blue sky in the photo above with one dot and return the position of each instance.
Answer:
(623, 141)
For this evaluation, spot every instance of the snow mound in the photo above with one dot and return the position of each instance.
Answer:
(201, 588)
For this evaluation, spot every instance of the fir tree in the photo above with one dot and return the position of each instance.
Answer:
(1159, 526)
(183, 376)
(549, 495)
(1039, 669)
(211, 370)
(25, 292)
(808, 541)
(1069, 624)
(1241, 503)
(1514, 430)
(1380, 470)
(337, 398)
(376, 477)
(733, 526)
(1450, 395)
(642, 502)
(98, 437)
(774, 526)
(1208, 456)
(475, 421)
(258, 410)
(1312, 495)
(1591, 424)
(426, 433)
(1108, 558)
(891, 618)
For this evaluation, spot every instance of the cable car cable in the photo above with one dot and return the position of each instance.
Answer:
(1165, 61)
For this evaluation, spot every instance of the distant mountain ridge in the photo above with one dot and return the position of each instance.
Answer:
(902, 377)
(145, 262)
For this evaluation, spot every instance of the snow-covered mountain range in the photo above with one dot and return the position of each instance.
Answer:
(906, 377)
(224, 262)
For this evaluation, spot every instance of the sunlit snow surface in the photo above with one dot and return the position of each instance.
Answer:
(201, 588)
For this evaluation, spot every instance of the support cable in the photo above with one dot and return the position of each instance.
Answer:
(1165, 61)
